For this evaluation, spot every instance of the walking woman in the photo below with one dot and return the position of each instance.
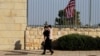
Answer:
(47, 41)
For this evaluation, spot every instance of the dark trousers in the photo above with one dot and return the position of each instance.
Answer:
(48, 45)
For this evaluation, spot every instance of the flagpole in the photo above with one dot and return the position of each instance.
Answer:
(75, 13)
(90, 14)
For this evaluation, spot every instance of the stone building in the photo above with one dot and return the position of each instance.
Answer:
(13, 20)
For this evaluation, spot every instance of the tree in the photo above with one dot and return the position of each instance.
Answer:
(62, 20)
(99, 24)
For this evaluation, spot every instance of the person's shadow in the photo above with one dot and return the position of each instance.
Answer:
(17, 45)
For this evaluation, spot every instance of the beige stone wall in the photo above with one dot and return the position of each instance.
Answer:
(34, 35)
(12, 23)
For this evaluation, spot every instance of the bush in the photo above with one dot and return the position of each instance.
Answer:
(77, 42)
(98, 43)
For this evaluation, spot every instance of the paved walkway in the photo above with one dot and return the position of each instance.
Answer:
(57, 53)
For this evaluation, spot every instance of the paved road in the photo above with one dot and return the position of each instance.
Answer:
(56, 53)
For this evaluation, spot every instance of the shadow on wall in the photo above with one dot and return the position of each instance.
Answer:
(18, 45)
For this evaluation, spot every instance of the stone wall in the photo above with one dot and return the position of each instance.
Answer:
(34, 35)
(12, 23)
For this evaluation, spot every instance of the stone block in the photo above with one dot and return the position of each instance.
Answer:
(5, 41)
(94, 34)
(98, 29)
(4, 12)
(92, 30)
(8, 0)
(39, 36)
(40, 32)
(7, 47)
(10, 41)
(20, 1)
(55, 29)
(81, 29)
(98, 34)
(67, 29)
(10, 27)
(30, 40)
(35, 42)
(4, 20)
(29, 44)
(54, 32)
(11, 33)
(16, 26)
(1, 1)
(3, 27)
(32, 29)
(71, 32)
(20, 6)
(35, 48)
(33, 37)
(55, 37)
(28, 28)
(31, 33)
(21, 20)
(19, 13)
(23, 26)
(27, 34)
(6, 5)
(86, 33)
(72, 29)
(64, 32)
(79, 32)
(41, 40)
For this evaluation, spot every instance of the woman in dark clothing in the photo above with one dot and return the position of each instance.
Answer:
(47, 41)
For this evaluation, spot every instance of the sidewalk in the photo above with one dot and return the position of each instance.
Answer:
(56, 53)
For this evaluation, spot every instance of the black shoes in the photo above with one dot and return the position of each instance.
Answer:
(52, 53)
(43, 53)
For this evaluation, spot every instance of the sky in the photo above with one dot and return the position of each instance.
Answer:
(40, 11)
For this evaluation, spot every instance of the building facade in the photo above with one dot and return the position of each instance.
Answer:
(13, 20)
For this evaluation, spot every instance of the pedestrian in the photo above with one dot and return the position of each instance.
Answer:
(47, 41)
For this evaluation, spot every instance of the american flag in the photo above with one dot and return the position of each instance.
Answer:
(70, 8)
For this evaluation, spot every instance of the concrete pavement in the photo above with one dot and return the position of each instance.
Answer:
(56, 53)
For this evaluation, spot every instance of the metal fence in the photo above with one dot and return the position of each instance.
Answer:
(42, 12)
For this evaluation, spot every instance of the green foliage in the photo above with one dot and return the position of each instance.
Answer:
(77, 42)
(98, 43)
(99, 24)
(62, 20)
(61, 13)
